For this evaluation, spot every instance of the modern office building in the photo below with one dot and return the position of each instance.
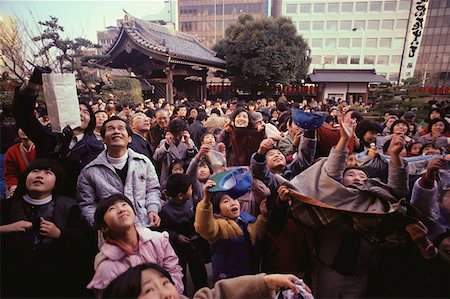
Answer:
(433, 62)
(208, 19)
(352, 34)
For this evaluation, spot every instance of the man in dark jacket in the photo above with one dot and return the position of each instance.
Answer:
(140, 125)
(197, 129)
(73, 148)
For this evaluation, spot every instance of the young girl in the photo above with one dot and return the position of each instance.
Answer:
(127, 245)
(42, 237)
(152, 281)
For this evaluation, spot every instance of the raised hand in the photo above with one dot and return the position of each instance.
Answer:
(207, 194)
(265, 145)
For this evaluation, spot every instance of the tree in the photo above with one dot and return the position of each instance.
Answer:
(263, 51)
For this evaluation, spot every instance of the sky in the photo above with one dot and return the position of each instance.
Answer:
(80, 18)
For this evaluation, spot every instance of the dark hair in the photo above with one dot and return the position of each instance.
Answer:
(201, 116)
(436, 120)
(238, 110)
(176, 125)
(178, 183)
(114, 117)
(175, 162)
(425, 146)
(438, 110)
(205, 163)
(216, 111)
(128, 284)
(91, 126)
(44, 164)
(104, 205)
(215, 200)
(365, 126)
(386, 146)
(101, 111)
(206, 134)
(356, 168)
(355, 115)
(400, 121)
(409, 146)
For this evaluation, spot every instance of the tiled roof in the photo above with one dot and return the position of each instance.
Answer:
(179, 46)
(345, 76)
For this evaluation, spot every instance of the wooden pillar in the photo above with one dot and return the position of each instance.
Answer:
(169, 85)
(366, 95)
(203, 89)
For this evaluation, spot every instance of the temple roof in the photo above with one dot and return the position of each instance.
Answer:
(345, 76)
(179, 47)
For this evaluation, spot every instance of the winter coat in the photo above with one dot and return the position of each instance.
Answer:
(231, 255)
(84, 151)
(286, 145)
(140, 145)
(15, 164)
(154, 247)
(37, 266)
(99, 180)
(165, 154)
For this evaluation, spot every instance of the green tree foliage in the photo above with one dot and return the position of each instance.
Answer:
(263, 51)
(71, 55)
(127, 90)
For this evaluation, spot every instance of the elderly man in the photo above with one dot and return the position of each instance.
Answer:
(158, 130)
(119, 169)
(140, 125)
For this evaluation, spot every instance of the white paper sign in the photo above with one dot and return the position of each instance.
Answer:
(61, 98)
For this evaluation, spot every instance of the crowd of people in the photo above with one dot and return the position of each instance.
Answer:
(138, 195)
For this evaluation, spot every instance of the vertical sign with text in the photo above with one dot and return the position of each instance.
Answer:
(413, 37)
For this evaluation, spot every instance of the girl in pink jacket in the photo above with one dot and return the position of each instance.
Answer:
(127, 246)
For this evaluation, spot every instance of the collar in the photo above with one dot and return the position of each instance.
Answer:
(127, 251)
(37, 202)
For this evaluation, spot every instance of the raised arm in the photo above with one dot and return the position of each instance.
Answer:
(398, 176)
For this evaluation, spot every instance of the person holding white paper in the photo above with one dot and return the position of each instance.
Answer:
(74, 148)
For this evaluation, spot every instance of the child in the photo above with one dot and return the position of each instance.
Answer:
(126, 245)
(43, 237)
(152, 281)
(231, 233)
(177, 218)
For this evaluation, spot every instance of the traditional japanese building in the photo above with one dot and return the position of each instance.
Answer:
(174, 64)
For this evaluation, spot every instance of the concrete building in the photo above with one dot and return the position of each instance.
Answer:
(352, 34)
(433, 62)
(208, 19)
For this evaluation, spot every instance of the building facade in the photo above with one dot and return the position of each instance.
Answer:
(208, 19)
(352, 34)
(433, 62)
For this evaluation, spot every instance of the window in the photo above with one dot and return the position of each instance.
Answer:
(333, 7)
(329, 59)
(317, 25)
(305, 8)
(369, 59)
(332, 25)
(344, 43)
(373, 25)
(356, 42)
(375, 6)
(347, 7)
(398, 43)
(389, 6)
(342, 59)
(319, 8)
(395, 59)
(404, 5)
(346, 25)
(330, 43)
(361, 6)
(354, 59)
(316, 59)
(291, 8)
(304, 25)
(385, 42)
(401, 24)
(317, 43)
(359, 23)
(387, 24)
(383, 59)
(371, 42)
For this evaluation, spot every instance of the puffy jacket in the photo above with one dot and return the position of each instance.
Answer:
(99, 180)
(154, 247)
